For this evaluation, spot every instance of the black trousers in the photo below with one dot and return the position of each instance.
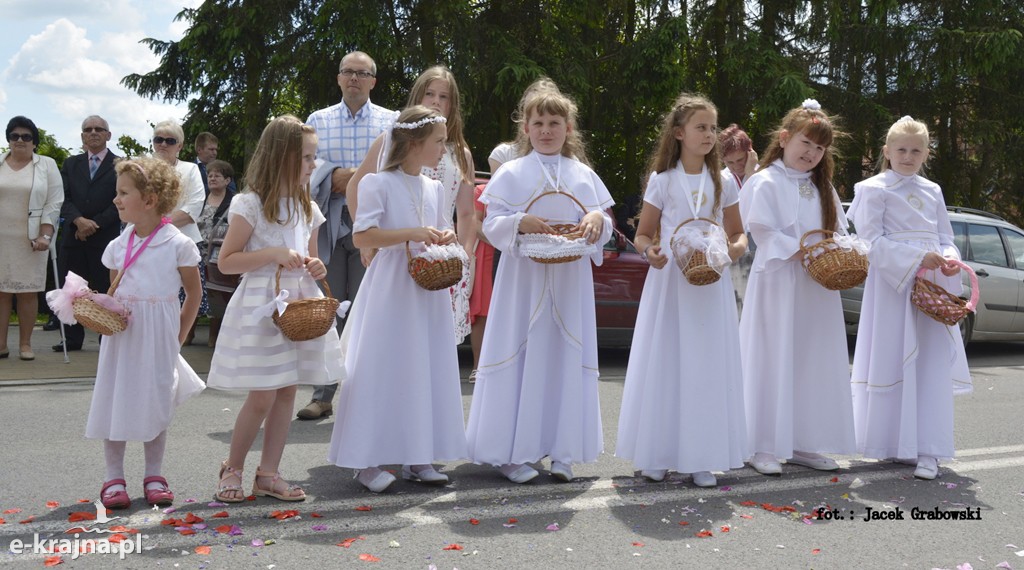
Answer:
(84, 261)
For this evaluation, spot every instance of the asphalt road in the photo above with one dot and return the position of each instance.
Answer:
(607, 518)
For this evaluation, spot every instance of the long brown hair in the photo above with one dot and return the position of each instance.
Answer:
(669, 149)
(816, 125)
(277, 162)
(455, 137)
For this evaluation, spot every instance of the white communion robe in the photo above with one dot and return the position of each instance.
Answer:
(402, 403)
(536, 392)
(682, 405)
(907, 366)
(792, 335)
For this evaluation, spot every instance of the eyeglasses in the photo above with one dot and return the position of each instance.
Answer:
(24, 137)
(94, 130)
(360, 73)
(169, 141)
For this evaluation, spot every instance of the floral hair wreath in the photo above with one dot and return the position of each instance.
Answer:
(385, 148)
(419, 123)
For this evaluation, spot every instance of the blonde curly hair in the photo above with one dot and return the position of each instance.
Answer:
(152, 176)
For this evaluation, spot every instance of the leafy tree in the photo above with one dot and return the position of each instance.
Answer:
(953, 64)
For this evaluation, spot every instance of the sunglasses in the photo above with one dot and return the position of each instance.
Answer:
(94, 130)
(169, 141)
(15, 137)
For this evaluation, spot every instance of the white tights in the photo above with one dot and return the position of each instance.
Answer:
(113, 452)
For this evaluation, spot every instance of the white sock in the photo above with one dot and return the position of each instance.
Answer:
(154, 451)
(113, 453)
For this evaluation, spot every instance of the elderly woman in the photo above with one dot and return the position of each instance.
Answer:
(28, 183)
(168, 139)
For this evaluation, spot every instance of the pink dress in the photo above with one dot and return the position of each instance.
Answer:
(483, 280)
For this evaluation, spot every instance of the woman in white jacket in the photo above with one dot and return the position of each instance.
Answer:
(29, 183)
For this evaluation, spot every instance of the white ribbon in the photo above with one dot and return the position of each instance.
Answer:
(851, 242)
(343, 309)
(711, 240)
(278, 303)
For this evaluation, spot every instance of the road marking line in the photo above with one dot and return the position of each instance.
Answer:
(527, 500)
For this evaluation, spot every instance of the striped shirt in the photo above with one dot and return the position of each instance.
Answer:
(346, 138)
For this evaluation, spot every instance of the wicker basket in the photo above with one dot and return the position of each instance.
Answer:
(696, 270)
(832, 266)
(97, 318)
(434, 275)
(568, 231)
(306, 319)
(940, 304)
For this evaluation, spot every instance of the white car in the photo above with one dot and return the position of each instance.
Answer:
(994, 248)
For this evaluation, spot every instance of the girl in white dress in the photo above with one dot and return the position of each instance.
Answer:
(401, 362)
(436, 89)
(272, 224)
(141, 376)
(907, 366)
(792, 336)
(536, 390)
(685, 335)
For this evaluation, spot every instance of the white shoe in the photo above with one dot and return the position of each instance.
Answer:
(927, 468)
(423, 474)
(704, 479)
(561, 471)
(375, 479)
(902, 461)
(518, 473)
(656, 475)
(813, 460)
(765, 464)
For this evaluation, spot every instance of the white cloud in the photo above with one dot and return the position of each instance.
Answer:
(79, 75)
(3, 100)
(97, 10)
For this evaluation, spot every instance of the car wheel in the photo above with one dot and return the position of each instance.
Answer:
(966, 328)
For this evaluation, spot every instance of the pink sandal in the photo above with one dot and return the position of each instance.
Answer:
(289, 493)
(160, 497)
(226, 473)
(115, 499)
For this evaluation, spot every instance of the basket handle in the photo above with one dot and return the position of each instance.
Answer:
(684, 222)
(277, 283)
(115, 282)
(972, 303)
(804, 237)
(566, 194)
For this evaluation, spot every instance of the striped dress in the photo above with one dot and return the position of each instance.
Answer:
(251, 352)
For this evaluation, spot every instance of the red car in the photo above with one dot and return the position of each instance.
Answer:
(618, 283)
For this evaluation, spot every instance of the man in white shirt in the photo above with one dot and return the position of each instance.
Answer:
(345, 133)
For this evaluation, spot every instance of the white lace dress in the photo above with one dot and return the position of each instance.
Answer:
(449, 175)
(252, 353)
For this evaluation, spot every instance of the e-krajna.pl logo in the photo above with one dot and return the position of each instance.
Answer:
(77, 546)
(115, 543)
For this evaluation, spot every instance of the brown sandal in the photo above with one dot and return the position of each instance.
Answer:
(272, 492)
(226, 473)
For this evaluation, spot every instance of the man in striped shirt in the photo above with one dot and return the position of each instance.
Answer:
(345, 133)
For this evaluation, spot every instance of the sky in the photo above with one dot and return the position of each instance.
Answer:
(63, 60)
